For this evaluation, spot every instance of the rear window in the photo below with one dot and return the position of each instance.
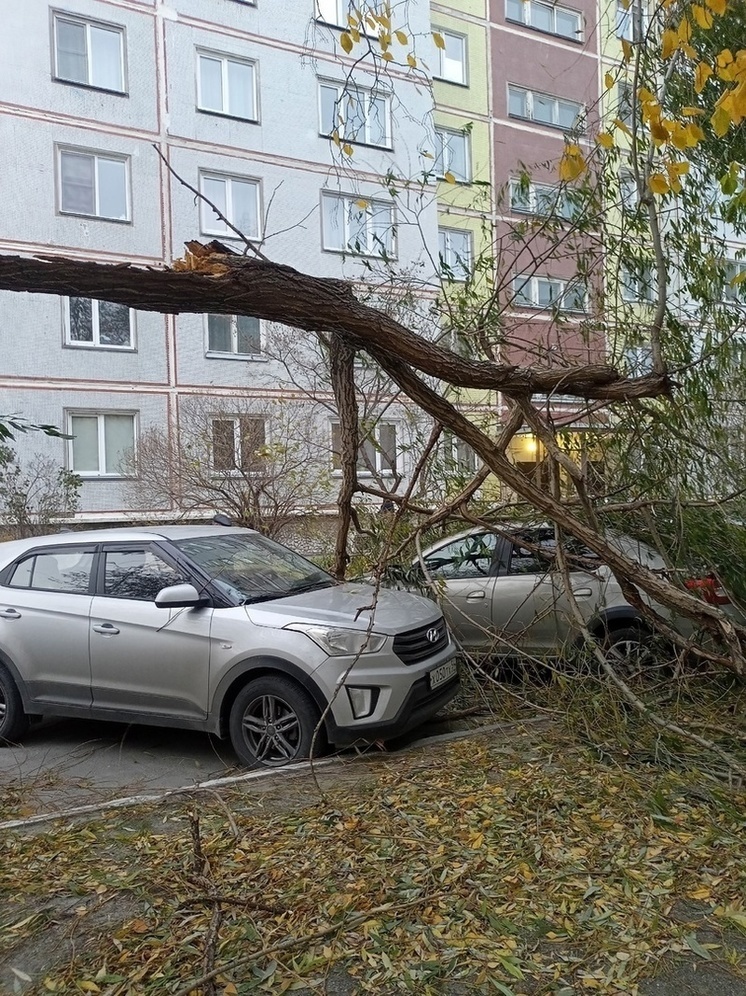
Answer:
(66, 571)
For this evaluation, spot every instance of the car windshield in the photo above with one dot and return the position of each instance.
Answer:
(252, 568)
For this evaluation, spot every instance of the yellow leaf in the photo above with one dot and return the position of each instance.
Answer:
(609, 81)
(717, 6)
(439, 40)
(738, 103)
(572, 165)
(669, 44)
(702, 16)
(606, 140)
(449, 178)
(720, 122)
(618, 123)
(701, 75)
(626, 49)
(411, 61)
(387, 57)
(678, 169)
(230, 990)
(658, 183)
(645, 96)
(401, 37)
(685, 31)
(347, 149)
(89, 987)
(335, 138)
(694, 134)
(352, 20)
(346, 42)
(355, 35)
(692, 112)
(384, 21)
(384, 40)
(659, 131)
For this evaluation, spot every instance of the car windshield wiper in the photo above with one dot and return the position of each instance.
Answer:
(301, 586)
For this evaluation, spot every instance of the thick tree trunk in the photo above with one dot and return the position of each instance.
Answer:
(342, 371)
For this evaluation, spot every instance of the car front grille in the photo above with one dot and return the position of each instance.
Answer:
(418, 644)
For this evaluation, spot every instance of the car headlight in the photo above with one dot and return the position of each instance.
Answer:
(340, 642)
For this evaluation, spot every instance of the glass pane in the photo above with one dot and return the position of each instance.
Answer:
(106, 58)
(574, 298)
(366, 457)
(329, 110)
(520, 197)
(515, 10)
(119, 441)
(113, 324)
(84, 429)
(112, 189)
(81, 319)
(440, 164)
(470, 557)
(336, 446)
(223, 444)
(328, 10)
(453, 58)
(245, 214)
(71, 51)
(522, 291)
(210, 84)
(214, 190)
(241, 90)
(253, 438)
(542, 16)
(357, 238)
(517, 102)
(69, 572)
(544, 108)
(377, 131)
(219, 338)
(546, 198)
(138, 574)
(353, 104)
(381, 225)
(21, 577)
(77, 183)
(457, 162)
(249, 335)
(567, 23)
(567, 113)
(332, 210)
(387, 440)
(547, 292)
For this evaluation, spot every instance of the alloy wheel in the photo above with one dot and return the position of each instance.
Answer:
(272, 730)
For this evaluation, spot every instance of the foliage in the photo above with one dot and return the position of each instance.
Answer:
(35, 495)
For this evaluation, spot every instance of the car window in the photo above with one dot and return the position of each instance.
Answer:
(137, 573)
(66, 571)
(468, 557)
(537, 557)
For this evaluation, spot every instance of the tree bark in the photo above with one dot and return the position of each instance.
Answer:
(342, 371)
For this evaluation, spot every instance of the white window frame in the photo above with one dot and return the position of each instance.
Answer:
(335, 12)
(527, 19)
(224, 59)
(344, 93)
(100, 415)
(631, 22)
(734, 295)
(97, 157)
(443, 160)
(88, 23)
(459, 269)
(96, 328)
(218, 354)
(441, 71)
(372, 249)
(238, 470)
(207, 216)
(459, 455)
(362, 467)
(633, 285)
(531, 193)
(532, 281)
(529, 116)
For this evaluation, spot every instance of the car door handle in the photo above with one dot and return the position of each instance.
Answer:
(10, 614)
(475, 596)
(106, 629)
(582, 592)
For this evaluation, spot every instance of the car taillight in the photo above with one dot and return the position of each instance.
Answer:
(709, 589)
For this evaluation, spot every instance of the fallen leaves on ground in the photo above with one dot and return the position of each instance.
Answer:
(502, 868)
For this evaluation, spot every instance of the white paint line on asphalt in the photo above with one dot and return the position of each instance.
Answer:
(288, 771)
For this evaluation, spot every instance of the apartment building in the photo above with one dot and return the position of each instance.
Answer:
(99, 101)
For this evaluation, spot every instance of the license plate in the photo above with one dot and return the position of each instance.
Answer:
(440, 675)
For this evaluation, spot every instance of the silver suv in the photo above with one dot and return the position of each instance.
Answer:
(213, 628)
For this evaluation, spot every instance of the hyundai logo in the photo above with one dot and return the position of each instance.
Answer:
(432, 635)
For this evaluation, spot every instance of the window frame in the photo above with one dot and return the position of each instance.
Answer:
(56, 15)
(42, 551)
(361, 466)
(238, 470)
(100, 414)
(578, 124)
(438, 74)
(633, 21)
(69, 343)
(230, 178)
(217, 354)
(455, 268)
(440, 157)
(532, 279)
(224, 58)
(343, 92)
(347, 250)
(96, 155)
(532, 191)
(734, 295)
(133, 546)
(632, 278)
(528, 5)
(340, 14)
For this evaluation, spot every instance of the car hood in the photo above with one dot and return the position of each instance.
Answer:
(350, 606)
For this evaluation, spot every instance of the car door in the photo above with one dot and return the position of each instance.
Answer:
(464, 571)
(144, 659)
(45, 601)
(523, 605)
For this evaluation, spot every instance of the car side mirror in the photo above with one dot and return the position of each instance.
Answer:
(180, 596)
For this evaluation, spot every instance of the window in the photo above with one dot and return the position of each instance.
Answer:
(469, 557)
(734, 287)
(452, 154)
(336, 11)
(137, 573)
(67, 570)
(102, 443)
(89, 53)
(547, 17)
(94, 184)
(455, 252)
(97, 324)
(234, 335)
(354, 115)
(637, 282)
(543, 108)
(459, 456)
(238, 444)
(630, 20)
(628, 192)
(451, 65)
(236, 198)
(538, 556)
(638, 360)
(625, 103)
(226, 86)
(376, 453)
(358, 225)
(527, 197)
(549, 292)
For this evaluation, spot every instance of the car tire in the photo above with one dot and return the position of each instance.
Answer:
(635, 652)
(13, 720)
(272, 723)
